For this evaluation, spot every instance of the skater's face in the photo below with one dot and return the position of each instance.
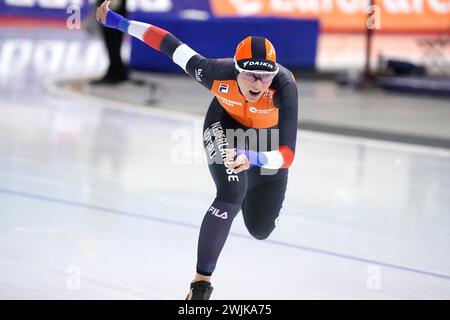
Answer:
(253, 85)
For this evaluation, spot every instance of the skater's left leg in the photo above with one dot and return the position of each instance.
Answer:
(261, 207)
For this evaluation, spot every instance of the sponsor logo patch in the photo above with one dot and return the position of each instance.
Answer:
(229, 102)
(255, 110)
(271, 52)
(277, 220)
(223, 87)
(258, 63)
(198, 74)
(216, 212)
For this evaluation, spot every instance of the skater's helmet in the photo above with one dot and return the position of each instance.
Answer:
(256, 54)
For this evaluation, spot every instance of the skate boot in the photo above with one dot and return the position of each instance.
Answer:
(200, 290)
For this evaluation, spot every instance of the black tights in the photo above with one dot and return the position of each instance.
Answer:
(258, 194)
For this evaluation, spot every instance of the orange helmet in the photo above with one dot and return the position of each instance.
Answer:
(256, 54)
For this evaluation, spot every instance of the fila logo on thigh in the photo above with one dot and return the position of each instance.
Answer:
(216, 212)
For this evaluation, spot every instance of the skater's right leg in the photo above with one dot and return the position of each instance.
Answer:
(231, 188)
(213, 234)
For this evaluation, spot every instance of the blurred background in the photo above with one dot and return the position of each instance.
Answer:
(103, 183)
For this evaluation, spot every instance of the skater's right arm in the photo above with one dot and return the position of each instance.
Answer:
(194, 64)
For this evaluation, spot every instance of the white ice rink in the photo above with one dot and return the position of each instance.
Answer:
(103, 200)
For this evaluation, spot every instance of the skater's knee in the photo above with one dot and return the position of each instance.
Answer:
(260, 232)
(227, 211)
(261, 235)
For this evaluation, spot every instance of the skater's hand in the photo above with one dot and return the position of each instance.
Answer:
(239, 164)
(102, 11)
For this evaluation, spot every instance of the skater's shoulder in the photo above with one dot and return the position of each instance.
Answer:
(284, 75)
(284, 80)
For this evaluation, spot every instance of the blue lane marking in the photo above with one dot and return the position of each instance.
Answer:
(192, 226)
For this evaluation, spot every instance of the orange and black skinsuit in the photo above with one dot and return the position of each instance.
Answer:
(268, 128)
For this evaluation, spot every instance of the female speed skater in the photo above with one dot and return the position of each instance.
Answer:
(249, 135)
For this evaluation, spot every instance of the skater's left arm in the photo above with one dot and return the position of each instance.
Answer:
(288, 122)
